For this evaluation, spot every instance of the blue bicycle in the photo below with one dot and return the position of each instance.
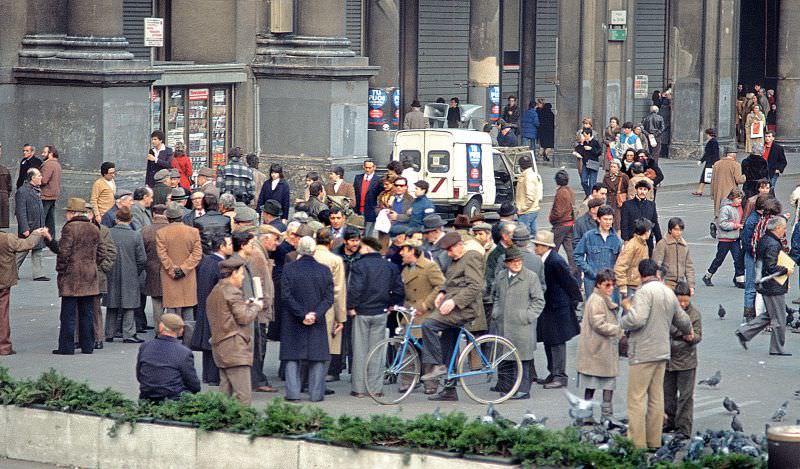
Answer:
(488, 367)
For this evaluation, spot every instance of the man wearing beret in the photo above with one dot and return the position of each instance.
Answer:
(164, 366)
(458, 302)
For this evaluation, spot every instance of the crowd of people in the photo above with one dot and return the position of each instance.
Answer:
(229, 262)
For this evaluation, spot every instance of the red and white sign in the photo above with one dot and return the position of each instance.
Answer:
(154, 32)
(198, 95)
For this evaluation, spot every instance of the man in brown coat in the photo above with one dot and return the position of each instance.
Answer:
(10, 245)
(152, 285)
(458, 302)
(726, 175)
(230, 318)
(180, 251)
(76, 264)
(422, 279)
(562, 217)
(336, 316)
(339, 187)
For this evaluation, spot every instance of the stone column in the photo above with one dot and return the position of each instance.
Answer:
(324, 18)
(484, 61)
(787, 93)
(568, 82)
(383, 49)
(724, 113)
(527, 52)
(45, 28)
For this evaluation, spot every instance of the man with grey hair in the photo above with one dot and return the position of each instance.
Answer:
(30, 217)
(653, 125)
(227, 205)
(140, 210)
(773, 289)
(124, 198)
(306, 294)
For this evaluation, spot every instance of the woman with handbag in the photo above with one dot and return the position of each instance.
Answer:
(754, 128)
(589, 151)
(616, 183)
(710, 156)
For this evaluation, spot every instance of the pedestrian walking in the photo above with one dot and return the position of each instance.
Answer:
(103, 191)
(633, 252)
(597, 362)
(775, 155)
(648, 318)
(158, 157)
(673, 258)
(599, 193)
(681, 371)
(755, 126)
(123, 280)
(518, 302)
(529, 124)
(616, 183)
(164, 366)
(773, 290)
(754, 168)
(726, 176)
(598, 249)
(528, 194)
(637, 208)
(586, 222)
(179, 250)
(230, 317)
(562, 216)
(547, 131)
(729, 226)
(710, 156)
(76, 264)
(30, 217)
(51, 186)
(276, 189)
(589, 151)
(307, 294)
(653, 125)
(765, 208)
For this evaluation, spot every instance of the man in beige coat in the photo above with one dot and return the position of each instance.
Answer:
(336, 316)
(528, 194)
(180, 251)
(726, 174)
(230, 318)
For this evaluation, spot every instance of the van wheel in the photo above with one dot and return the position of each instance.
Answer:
(472, 208)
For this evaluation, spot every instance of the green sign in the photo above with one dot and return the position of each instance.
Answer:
(617, 34)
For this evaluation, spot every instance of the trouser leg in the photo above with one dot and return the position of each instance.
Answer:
(156, 304)
(97, 319)
(684, 416)
(335, 367)
(722, 251)
(293, 381)
(112, 322)
(21, 258)
(655, 405)
(776, 309)
(85, 312)
(671, 397)
(257, 376)
(235, 382)
(139, 316)
(66, 337)
(316, 380)
(49, 207)
(128, 324)
(749, 279)
(432, 351)
(5, 325)
(36, 263)
(210, 370)
(753, 327)
(639, 377)
(548, 353)
(525, 385)
(562, 236)
(557, 361)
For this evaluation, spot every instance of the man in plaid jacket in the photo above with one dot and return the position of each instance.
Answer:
(236, 177)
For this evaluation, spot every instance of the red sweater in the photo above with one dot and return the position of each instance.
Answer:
(184, 166)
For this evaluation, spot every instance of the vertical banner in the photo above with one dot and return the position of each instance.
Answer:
(474, 168)
(493, 103)
(395, 108)
(384, 108)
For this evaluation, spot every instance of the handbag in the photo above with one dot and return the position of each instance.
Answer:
(712, 229)
(592, 165)
(621, 196)
(707, 173)
(652, 140)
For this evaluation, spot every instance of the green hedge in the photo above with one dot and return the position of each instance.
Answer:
(451, 432)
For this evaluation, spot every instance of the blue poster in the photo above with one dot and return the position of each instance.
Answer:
(377, 108)
(493, 95)
(474, 168)
(396, 109)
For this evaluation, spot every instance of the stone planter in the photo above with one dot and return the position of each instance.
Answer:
(54, 437)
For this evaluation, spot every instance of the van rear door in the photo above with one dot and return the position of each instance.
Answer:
(438, 162)
(409, 144)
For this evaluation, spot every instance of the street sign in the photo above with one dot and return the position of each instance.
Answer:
(154, 32)
(640, 86)
(618, 17)
(617, 34)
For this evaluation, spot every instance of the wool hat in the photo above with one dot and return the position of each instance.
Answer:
(172, 321)
(449, 240)
(178, 194)
(544, 238)
(373, 243)
(507, 209)
(245, 215)
(230, 264)
(513, 253)
(206, 171)
(272, 207)
(75, 204)
(432, 222)
(174, 211)
(160, 175)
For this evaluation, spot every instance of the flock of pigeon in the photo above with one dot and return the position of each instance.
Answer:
(601, 433)
(791, 321)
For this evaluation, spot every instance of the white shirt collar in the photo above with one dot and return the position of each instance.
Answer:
(544, 256)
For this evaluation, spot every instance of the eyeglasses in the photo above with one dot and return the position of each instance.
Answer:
(399, 185)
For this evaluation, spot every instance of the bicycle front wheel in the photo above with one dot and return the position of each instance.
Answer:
(490, 369)
(392, 370)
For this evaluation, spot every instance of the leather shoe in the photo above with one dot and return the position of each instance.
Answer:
(446, 395)
(781, 354)
(742, 340)
(133, 340)
(42, 279)
(329, 392)
(109, 340)
(555, 384)
(265, 389)
(59, 352)
(98, 345)
(521, 395)
(547, 380)
(357, 394)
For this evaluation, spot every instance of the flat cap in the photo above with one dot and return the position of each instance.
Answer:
(230, 264)
(122, 193)
(172, 321)
(265, 228)
(245, 215)
(482, 226)
(174, 211)
(206, 171)
(449, 240)
(174, 173)
(161, 174)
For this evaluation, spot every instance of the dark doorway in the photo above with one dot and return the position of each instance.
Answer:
(758, 43)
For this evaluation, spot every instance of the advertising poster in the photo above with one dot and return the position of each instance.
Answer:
(493, 101)
(378, 105)
(474, 168)
(396, 109)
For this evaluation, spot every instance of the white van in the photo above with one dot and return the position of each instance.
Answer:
(466, 175)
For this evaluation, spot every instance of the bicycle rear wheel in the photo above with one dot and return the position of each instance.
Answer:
(490, 369)
(392, 370)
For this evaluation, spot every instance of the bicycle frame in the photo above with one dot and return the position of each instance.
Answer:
(457, 352)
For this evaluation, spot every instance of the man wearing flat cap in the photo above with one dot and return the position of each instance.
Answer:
(180, 251)
(205, 182)
(124, 198)
(433, 231)
(164, 366)
(162, 187)
(458, 302)
(726, 175)
(230, 318)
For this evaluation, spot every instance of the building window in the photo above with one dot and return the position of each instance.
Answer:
(195, 118)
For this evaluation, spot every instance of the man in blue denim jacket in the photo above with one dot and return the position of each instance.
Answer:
(598, 248)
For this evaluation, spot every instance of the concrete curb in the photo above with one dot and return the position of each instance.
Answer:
(55, 437)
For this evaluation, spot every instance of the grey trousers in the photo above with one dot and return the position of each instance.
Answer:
(257, 376)
(113, 318)
(679, 399)
(186, 313)
(316, 379)
(36, 261)
(367, 332)
(438, 350)
(557, 361)
(775, 315)
(158, 310)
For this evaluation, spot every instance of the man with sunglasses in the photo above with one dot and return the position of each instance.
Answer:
(400, 202)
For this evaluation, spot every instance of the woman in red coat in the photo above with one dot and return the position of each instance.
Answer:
(183, 164)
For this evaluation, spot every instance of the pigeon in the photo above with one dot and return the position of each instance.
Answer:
(437, 414)
(736, 425)
(530, 420)
(695, 449)
(721, 312)
(780, 413)
(730, 405)
(491, 415)
(714, 380)
(579, 408)
(667, 452)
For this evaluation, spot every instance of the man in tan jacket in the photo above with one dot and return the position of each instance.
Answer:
(528, 194)
(633, 251)
(180, 251)
(103, 191)
(336, 315)
(726, 175)
(230, 318)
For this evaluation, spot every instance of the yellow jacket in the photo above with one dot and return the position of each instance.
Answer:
(528, 193)
(102, 198)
